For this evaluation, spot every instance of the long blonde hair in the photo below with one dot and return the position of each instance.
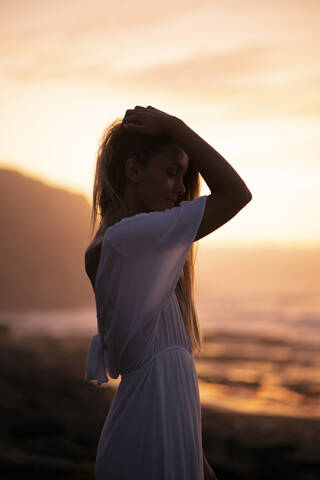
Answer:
(115, 146)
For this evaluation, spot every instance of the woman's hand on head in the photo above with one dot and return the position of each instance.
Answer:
(149, 121)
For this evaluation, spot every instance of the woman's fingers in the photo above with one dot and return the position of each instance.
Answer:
(129, 112)
(139, 108)
(132, 119)
(148, 120)
(134, 127)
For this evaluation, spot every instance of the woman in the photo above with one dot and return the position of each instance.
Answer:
(140, 264)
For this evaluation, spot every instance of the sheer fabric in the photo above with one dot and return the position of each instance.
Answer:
(153, 427)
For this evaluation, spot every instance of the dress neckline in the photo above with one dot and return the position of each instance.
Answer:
(137, 216)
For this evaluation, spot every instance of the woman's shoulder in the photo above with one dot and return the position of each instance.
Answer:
(155, 217)
(142, 217)
(152, 230)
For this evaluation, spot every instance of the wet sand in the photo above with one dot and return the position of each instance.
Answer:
(51, 421)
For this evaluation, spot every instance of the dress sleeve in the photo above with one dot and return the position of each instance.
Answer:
(154, 247)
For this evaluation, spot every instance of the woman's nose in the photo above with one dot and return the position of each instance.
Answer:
(181, 188)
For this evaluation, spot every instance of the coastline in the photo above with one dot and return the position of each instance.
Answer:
(52, 420)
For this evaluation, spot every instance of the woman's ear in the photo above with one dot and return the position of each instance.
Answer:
(133, 169)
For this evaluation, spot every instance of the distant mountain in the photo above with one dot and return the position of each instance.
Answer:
(44, 234)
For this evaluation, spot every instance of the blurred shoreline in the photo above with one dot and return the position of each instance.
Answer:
(52, 420)
(259, 355)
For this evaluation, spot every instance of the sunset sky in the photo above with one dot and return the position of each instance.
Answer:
(244, 75)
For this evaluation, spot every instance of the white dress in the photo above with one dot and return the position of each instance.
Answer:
(153, 427)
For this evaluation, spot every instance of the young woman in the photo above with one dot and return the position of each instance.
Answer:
(140, 264)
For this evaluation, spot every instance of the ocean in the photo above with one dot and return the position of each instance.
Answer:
(260, 350)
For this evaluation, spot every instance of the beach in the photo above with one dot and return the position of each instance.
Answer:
(51, 421)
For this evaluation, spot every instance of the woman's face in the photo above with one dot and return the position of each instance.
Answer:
(160, 184)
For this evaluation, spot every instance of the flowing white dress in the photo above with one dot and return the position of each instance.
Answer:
(153, 427)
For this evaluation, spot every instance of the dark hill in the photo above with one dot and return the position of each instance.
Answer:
(45, 231)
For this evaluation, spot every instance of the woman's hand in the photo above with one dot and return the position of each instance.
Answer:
(149, 121)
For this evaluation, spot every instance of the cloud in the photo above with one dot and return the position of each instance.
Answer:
(222, 55)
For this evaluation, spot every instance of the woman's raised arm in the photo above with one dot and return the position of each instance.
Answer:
(218, 174)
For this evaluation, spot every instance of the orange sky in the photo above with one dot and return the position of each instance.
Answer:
(244, 75)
